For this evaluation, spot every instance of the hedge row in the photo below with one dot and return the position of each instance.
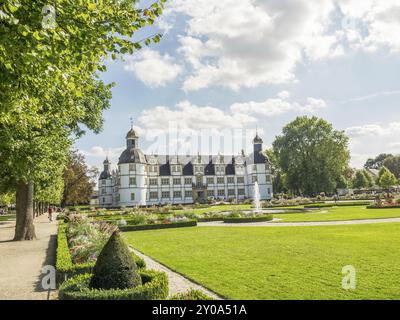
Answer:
(190, 223)
(211, 219)
(64, 264)
(154, 287)
(338, 204)
(264, 218)
(385, 207)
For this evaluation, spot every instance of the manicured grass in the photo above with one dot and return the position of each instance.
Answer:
(339, 214)
(281, 263)
(218, 208)
(8, 217)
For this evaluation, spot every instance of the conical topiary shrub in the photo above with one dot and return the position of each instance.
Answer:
(115, 268)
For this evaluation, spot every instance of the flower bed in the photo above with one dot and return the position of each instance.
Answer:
(384, 207)
(65, 264)
(154, 287)
(338, 204)
(189, 223)
(262, 218)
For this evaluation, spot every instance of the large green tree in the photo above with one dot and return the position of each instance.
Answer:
(360, 180)
(386, 178)
(377, 162)
(50, 59)
(393, 165)
(312, 155)
(78, 180)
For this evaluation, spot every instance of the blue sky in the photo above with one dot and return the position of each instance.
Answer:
(227, 65)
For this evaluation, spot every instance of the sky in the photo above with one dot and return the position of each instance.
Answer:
(225, 69)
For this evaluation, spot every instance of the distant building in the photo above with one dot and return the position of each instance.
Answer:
(94, 199)
(159, 179)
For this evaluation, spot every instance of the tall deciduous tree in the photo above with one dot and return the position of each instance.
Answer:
(78, 180)
(393, 165)
(360, 180)
(50, 58)
(386, 178)
(312, 155)
(377, 162)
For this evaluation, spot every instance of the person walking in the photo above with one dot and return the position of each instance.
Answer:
(50, 212)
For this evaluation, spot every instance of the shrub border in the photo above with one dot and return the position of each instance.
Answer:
(190, 223)
(155, 287)
(386, 207)
(339, 204)
(249, 219)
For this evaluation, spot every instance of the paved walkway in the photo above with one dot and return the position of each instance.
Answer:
(21, 262)
(177, 283)
(296, 224)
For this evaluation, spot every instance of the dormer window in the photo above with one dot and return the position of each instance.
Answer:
(132, 167)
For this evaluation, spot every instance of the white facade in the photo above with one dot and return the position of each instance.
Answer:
(153, 179)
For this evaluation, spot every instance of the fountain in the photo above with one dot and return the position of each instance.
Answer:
(257, 203)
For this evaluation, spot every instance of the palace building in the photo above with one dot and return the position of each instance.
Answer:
(176, 179)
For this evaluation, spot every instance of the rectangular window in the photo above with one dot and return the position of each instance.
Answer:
(132, 167)
(132, 196)
(210, 193)
(165, 182)
(254, 179)
(254, 167)
(177, 194)
(221, 193)
(165, 195)
(231, 180)
(268, 178)
(231, 192)
(220, 180)
(177, 181)
(153, 181)
(240, 179)
(241, 192)
(210, 180)
(103, 182)
(132, 181)
(104, 191)
(188, 180)
(153, 195)
(188, 194)
(269, 190)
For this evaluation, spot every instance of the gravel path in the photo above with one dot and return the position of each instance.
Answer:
(177, 283)
(21, 262)
(296, 224)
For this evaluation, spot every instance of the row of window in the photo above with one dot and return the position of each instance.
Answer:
(220, 169)
(188, 181)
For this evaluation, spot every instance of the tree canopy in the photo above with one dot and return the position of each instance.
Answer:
(312, 155)
(386, 178)
(50, 60)
(78, 180)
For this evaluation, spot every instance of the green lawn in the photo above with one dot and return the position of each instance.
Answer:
(218, 208)
(281, 263)
(339, 214)
(8, 217)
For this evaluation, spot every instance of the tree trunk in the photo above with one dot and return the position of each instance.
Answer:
(24, 229)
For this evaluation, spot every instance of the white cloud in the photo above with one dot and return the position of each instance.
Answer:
(153, 69)
(278, 106)
(370, 130)
(369, 140)
(246, 43)
(96, 155)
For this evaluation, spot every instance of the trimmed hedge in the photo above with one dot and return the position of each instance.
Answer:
(264, 218)
(190, 223)
(339, 204)
(155, 287)
(64, 264)
(211, 219)
(385, 207)
(191, 295)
